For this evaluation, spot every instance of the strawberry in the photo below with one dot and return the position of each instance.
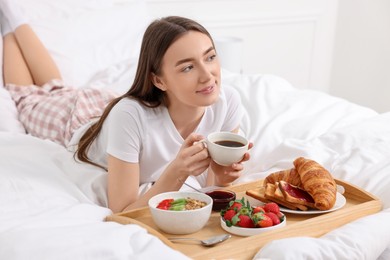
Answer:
(258, 209)
(245, 211)
(245, 221)
(165, 204)
(257, 216)
(275, 219)
(272, 207)
(236, 205)
(280, 216)
(264, 221)
(229, 214)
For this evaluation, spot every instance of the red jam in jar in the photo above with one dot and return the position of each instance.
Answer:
(221, 198)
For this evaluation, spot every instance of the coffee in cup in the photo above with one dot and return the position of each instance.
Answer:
(226, 148)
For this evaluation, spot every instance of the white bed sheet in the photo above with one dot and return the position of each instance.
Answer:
(53, 208)
(51, 204)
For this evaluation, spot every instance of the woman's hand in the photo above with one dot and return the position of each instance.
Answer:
(225, 175)
(192, 158)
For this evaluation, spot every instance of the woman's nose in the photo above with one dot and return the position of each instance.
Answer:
(205, 73)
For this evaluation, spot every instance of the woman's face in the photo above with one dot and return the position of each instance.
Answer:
(190, 71)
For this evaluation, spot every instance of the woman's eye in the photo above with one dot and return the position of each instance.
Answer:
(187, 68)
(211, 57)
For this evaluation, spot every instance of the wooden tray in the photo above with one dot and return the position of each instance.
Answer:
(359, 203)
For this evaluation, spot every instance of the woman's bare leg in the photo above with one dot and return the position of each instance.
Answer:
(24, 46)
(15, 69)
(39, 62)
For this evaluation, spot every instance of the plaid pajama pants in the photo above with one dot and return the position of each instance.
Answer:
(54, 111)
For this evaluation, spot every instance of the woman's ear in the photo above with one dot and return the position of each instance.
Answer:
(158, 82)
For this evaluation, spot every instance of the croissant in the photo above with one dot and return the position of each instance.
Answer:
(291, 176)
(318, 182)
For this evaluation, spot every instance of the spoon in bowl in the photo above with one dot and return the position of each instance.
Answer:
(192, 187)
(205, 242)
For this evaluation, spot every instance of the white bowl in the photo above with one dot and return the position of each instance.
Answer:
(180, 222)
(245, 232)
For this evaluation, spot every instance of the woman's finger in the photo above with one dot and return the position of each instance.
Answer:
(237, 167)
(191, 139)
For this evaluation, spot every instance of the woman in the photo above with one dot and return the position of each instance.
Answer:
(151, 133)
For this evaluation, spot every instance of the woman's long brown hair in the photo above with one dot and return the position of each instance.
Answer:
(157, 38)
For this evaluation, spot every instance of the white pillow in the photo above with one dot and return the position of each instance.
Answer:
(94, 42)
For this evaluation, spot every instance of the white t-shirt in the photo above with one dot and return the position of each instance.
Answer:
(139, 134)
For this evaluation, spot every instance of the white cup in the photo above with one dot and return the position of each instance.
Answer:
(226, 148)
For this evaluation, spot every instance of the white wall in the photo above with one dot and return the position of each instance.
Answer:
(361, 59)
(292, 39)
(337, 46)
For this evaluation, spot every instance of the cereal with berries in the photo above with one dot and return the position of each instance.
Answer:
(181, 204)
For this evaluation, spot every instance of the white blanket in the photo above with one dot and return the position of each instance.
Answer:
(351, 141)
(53, 208)
(50, 208)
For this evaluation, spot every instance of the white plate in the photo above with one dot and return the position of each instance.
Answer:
(340, 202)
(245, 232)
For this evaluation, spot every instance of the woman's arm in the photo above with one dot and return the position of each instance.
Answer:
(123, 183)
(123, 177)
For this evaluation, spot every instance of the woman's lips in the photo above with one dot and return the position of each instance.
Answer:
(206, 90)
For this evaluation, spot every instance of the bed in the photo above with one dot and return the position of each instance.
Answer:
(54, 208)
